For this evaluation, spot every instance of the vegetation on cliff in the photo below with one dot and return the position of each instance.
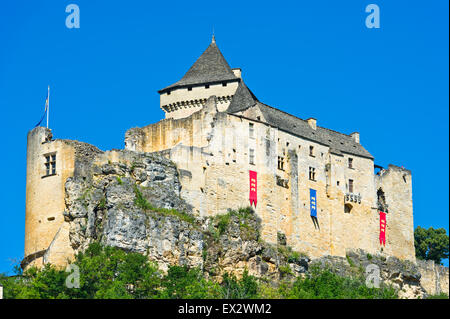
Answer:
(109, 272)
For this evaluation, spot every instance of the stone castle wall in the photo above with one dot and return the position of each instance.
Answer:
(209, 178)
(212, 149)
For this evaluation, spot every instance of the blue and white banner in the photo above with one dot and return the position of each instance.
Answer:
(313, 202)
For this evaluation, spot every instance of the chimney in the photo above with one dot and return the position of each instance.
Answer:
(355, 136)
(237, 72)
(312, 122)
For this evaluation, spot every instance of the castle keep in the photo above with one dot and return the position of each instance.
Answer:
(313, 186)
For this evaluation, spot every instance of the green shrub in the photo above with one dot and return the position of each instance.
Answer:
(108, 272)
(102, 203)
(285, 270)
(184, 283)
(324, 284)
(245, 288)
(244, 215)
(141, 202)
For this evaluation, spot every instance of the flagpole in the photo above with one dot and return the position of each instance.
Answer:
(48, 104)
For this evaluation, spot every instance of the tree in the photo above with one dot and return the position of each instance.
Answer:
(431, 244)
(182, 282)
(105, 272)
(245, 288)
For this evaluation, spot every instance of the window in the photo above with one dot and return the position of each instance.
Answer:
(281, 163)
(347, 208)
(50, 164)
(311, 151)
(350, 162)
(207, 86)
(224, 83)
(168, 92)
(312, 173)
(337, 183)
(251, 130)
(258, 118)
(350, 185)
(190, 88)
(252, 156)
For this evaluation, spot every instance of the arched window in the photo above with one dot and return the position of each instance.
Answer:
(347, 208)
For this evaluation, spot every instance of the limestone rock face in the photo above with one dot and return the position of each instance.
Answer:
(103, 206)
(404, 276)
(134, 203)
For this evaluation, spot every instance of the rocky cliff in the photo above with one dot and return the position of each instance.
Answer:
(135, 204)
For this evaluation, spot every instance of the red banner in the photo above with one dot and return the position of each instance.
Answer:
(382, 228)
(253, 188)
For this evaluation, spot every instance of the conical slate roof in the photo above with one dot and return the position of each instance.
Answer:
(242, 99)
(211, 66)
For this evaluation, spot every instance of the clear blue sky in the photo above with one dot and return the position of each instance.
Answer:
(309, 58)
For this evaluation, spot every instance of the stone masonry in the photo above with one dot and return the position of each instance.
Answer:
(197, 160)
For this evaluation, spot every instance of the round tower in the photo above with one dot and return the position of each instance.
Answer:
(49, 164)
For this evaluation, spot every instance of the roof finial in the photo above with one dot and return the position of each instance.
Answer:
(213, 37)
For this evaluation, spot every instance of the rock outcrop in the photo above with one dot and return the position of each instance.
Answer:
(404, 276)
(136, 205)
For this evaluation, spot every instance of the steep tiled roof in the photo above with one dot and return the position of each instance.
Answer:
(210, 67)
(337, 142)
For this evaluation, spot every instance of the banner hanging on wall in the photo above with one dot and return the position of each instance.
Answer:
(313, 202)
(253, 188)
(382, 228)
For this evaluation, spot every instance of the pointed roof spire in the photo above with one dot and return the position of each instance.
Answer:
(243, 99)
(213, 37)
(211, 66)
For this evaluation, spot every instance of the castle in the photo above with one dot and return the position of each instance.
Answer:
(314, 186)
